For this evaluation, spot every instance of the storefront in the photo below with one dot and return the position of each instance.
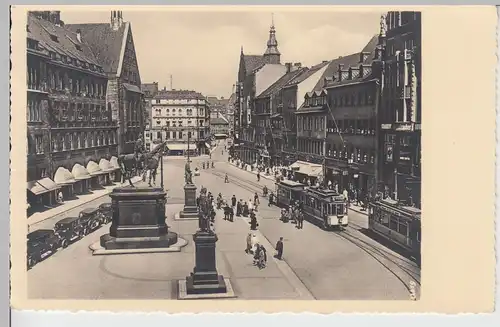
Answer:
(98, 179)
(65, 180)
(41, 193)
(107, 169)
(181, 149)
(306, 172)
(82, 178)
(116, 174)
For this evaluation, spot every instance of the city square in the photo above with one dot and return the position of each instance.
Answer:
(119, 170)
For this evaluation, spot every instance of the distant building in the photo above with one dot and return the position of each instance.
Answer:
(219, 127)
(113, 45)
(71, 133)
(179, 116)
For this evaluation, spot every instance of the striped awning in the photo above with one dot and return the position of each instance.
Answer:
(180, 146)
(42, 186)
(63, 177)
(79, 172)
(307, 168)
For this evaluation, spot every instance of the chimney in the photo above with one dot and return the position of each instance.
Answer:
(341, 67)
(79, 35)
(288, 66)
(297, 65)
(349, 73)
(363, 56)
(324, 61)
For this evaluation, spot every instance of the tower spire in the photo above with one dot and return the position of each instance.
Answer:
(272, 54)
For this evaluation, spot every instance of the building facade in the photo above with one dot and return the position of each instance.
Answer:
(150, 90)
(401, 109)
(182, 118)
(219, 127)
(71, 134)
(113, 44)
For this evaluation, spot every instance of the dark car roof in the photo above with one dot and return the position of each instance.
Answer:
(40, 233)
(67, 220)
(89, 210)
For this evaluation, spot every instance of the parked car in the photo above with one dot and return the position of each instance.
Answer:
(40, 244)
(91, 215)
(70, 229)
(106, 213)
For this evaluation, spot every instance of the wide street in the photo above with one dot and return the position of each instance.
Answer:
(317, 264)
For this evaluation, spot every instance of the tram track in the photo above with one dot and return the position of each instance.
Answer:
(389, 261)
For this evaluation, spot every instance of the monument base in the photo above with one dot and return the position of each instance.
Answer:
(121, 243)
(190, 207)
(193, 286)
(189, 213)
(184, 295)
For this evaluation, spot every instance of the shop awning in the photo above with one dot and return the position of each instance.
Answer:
(306, 168)
(180, 146)
(63, 177)
(114, 162)
(79, 172)
(42, 186)
(105, 166)
(94, 169)
(220, 135)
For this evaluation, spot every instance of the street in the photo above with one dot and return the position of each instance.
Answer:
(316, 264)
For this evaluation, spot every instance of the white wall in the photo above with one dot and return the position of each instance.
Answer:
(267, 75)
(308, 84)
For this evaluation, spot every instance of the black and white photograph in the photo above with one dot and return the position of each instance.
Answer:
(258, 155)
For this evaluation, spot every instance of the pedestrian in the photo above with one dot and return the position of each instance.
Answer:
(300, 220)
(245, 211)
(258, 176)
(239, 208)
(254, 241)
(262, 257)
(226, 211)
(60, 197)
(250, 206)
(279, 249)
(248, 249)
(253, 221)
(231, 214)
(233, 201)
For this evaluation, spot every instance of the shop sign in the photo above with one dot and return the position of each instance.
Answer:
(355, 176)
(405, 127)
(386, 126)
(345, 173)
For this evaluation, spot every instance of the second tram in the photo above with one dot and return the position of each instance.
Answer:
(325, 206)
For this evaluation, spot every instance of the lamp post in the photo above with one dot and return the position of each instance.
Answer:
(161, 158)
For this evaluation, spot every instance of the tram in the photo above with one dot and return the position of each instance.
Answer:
(325, 206)
(288, 192)
(398, 224)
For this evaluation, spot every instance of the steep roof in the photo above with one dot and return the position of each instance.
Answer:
(219, 121)
(106, 43)
(61, 40)
(253, 62)
(149, 89)
(348, 61)
(179, 94)
(276, 86)
(302, 77)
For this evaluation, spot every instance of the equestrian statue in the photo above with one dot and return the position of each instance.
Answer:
(141, 162)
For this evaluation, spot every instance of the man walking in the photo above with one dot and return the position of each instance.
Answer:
(279, 249)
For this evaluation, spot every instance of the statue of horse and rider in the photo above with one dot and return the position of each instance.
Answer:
(141, 162)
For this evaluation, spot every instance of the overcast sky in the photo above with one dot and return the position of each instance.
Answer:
(201, 49)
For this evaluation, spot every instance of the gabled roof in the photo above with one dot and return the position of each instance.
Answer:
(219, 121)
(67, 43)
(348, 61)
(253, 62)
(106, 44)
(302, 77)
(278, 85)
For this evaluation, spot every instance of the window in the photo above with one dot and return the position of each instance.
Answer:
(39, 144)
(174, 135)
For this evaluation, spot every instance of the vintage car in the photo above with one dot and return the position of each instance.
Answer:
(91, 215)
(196, 172)
(41, 243)
(105, 213)
(70, 229)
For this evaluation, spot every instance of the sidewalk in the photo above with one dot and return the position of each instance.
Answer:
(262, 175)
(72, 204)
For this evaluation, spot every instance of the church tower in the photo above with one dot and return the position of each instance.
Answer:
(116, 20)
(272, 54)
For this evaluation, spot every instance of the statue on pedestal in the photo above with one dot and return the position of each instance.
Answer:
(188, 174)
(204, 211)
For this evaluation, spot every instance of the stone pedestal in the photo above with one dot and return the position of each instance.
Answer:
(204, 279)
(138, 220)
(190, 207)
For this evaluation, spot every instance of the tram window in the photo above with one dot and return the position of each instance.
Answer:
(403, 228)
(394, 224)
(384, 219)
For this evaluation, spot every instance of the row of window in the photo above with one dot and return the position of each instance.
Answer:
(311, 123)
(133, 110)
(352, 126)
(66, 111)
(82, 140)
(350, 153)
(173, 123)
(179, 101)
(315, 101)
(176, 134)
(179, 112)
(310, 146)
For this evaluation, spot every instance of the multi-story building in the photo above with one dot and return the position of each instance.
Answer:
(219, 127)
(218, 107)
(293, 95)
(256, 73)
(71, 133)
(113, 45)
(401, 109)
(268, 123)
(149, 90)
(182, 118)
(352, 103)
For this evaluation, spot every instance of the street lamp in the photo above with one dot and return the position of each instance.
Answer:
(161, 158)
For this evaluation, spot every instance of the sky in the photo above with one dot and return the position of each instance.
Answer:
(201, 49)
